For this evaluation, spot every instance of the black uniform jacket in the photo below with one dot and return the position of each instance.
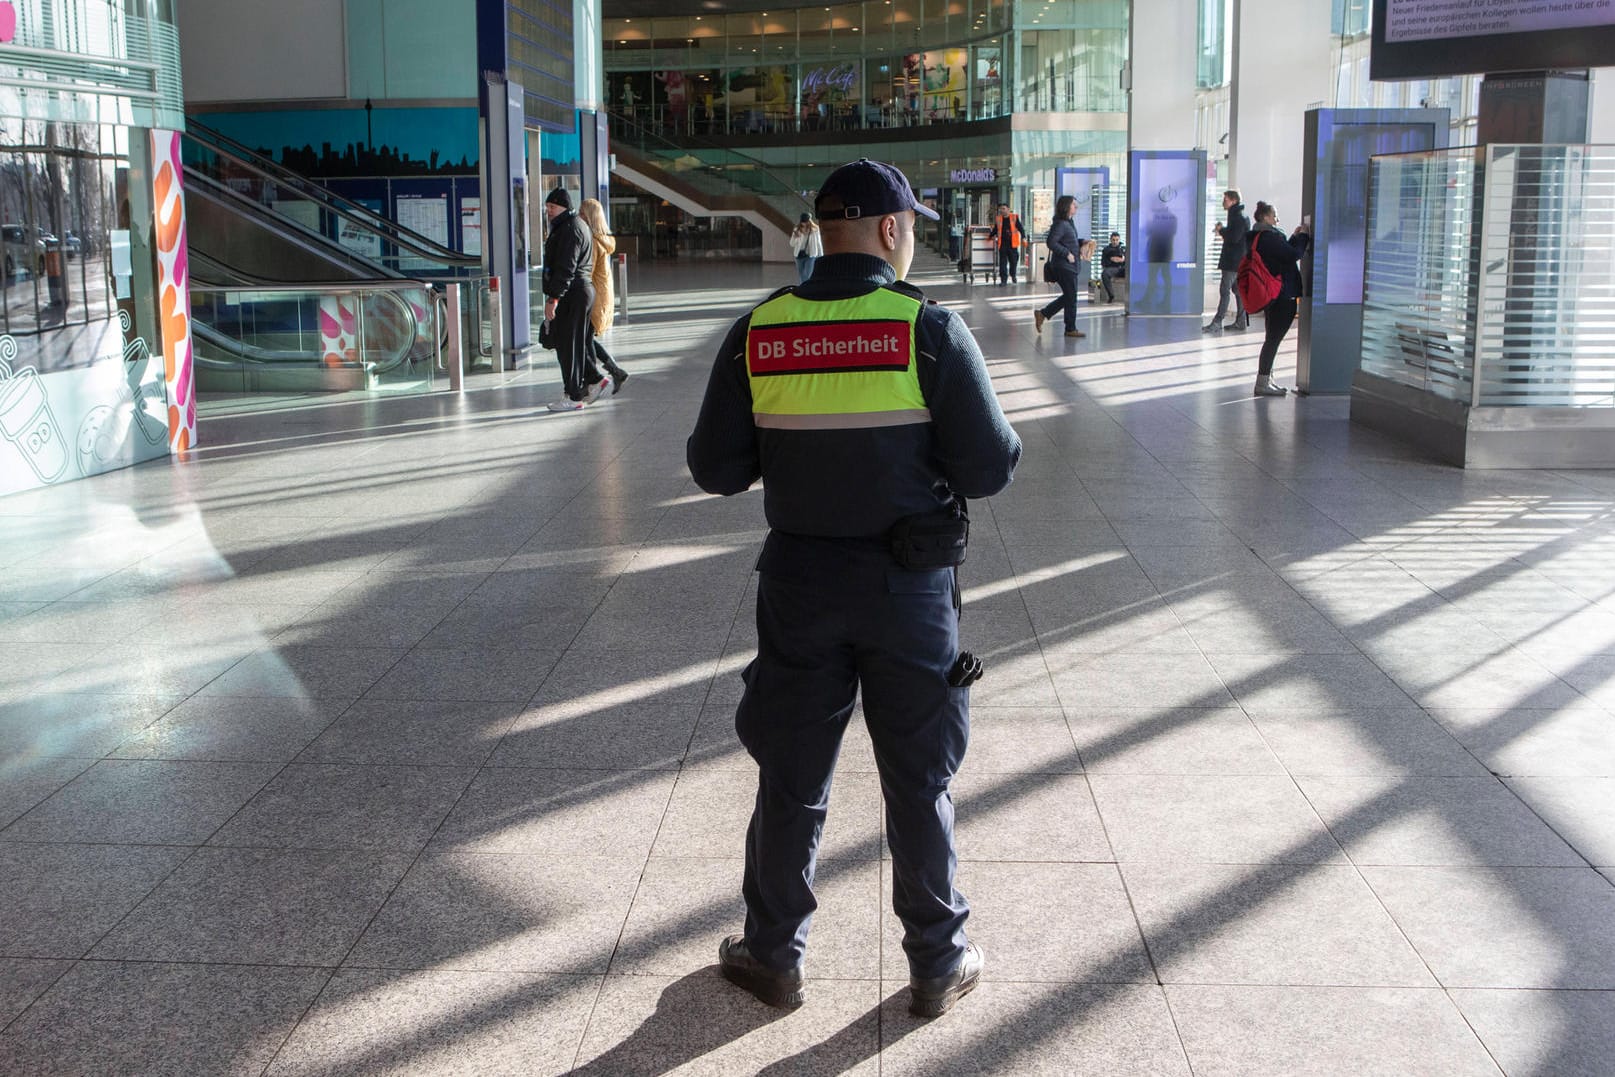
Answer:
(568, 254)
(858, 483)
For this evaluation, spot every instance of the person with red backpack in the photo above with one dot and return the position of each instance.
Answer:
(1273, 286)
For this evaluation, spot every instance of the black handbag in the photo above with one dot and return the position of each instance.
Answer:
(546, 334)
(1049, 272)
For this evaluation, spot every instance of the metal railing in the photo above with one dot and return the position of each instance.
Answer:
(379, 336)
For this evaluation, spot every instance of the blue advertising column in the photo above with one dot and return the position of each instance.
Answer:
(1334, 203)
(1166, 206)
(504, 173)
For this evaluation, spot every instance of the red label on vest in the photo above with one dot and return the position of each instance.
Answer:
(827, 347)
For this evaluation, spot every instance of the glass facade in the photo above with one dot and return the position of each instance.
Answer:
(94, 371)
(880, 63)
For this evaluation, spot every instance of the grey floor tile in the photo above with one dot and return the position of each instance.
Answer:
(1102, 944)
(1039, 817)
(710, 809)
(1018, 678)
(258, 906)
(1580, 810)
(1022, 1028)
(643, 675)
(1021, 740)
(1544, 1033)
(559, 812)
(1344, 1031)
(697, 1022)
(481, 912)
(486, 1023)
(306, 670)
(342, 621)
(1245, 819)
(409, 731)
(1139, 681)
(25, 780)
(347, 806)
(1505, 927)
(1366, 742)
(22, 980)
(1496, 682)
(140, 669)
(109, 1017)
(686, 905)
(446, 674)
(501, 621)
(1571, 741)
(621, 737)
(1432, 821)
(60, 898)
(52, 724)
(1269, 925)
(234, 728)
(1285, 684)
(142, 801)
(1147, 626)
(1170, 741)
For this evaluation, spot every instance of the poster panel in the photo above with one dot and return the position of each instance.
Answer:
(1165, 206)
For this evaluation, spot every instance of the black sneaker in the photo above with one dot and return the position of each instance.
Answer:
(935, 996)
(780, 989)
(617, 380)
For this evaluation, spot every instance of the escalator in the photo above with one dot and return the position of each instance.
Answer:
(255, 214)
(279, 306)
(707, 180)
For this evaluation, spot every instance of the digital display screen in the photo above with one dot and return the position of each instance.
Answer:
(1165, 207)
(1429, 38)
(1343, 225)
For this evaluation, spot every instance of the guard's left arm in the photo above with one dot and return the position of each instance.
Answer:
(722, 450)
(975, 445)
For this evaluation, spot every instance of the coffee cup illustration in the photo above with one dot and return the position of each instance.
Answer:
(26, 419)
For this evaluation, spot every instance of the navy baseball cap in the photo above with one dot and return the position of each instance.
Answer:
(866, 188)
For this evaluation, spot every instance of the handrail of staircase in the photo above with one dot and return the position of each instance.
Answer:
(654, 143)
(274, 172)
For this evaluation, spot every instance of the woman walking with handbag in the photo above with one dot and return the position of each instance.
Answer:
(807, 245)
(1282, 258)
(1065, 254)
(604, 310)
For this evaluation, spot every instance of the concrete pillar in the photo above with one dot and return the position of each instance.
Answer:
(1282, 65)
(1162, 67)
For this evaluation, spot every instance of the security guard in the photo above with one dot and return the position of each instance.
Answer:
(869, 415)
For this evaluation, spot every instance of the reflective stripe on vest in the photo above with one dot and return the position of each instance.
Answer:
(838, 364)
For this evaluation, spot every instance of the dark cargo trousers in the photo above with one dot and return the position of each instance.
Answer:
(895, 633)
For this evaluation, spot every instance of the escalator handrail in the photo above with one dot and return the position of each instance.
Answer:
(654, 142)
(344, 208)
(253, 353)
(311, 241)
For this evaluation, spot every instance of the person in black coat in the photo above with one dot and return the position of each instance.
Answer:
(568, 299)
(1282, 257)
(1065, 252)
(1235, 241)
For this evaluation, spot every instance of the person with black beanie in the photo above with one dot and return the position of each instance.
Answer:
(568, 299)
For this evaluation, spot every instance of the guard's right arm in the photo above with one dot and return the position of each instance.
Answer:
(722, 450)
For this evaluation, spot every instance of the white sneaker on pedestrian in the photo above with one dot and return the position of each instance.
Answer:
(599, 389)
(1266, 386)
(566, 403)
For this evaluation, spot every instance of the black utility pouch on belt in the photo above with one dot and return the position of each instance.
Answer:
(932, 539)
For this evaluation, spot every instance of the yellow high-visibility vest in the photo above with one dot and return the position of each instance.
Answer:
(835, 364)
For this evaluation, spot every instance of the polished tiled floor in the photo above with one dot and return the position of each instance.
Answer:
(396, 737)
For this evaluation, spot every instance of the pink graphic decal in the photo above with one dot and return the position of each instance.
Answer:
(8, 22)
(339, 329)
(174, 290)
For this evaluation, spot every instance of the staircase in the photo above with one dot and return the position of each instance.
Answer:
(709, 181)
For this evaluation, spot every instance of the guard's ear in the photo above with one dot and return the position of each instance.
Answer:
(889, 231)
